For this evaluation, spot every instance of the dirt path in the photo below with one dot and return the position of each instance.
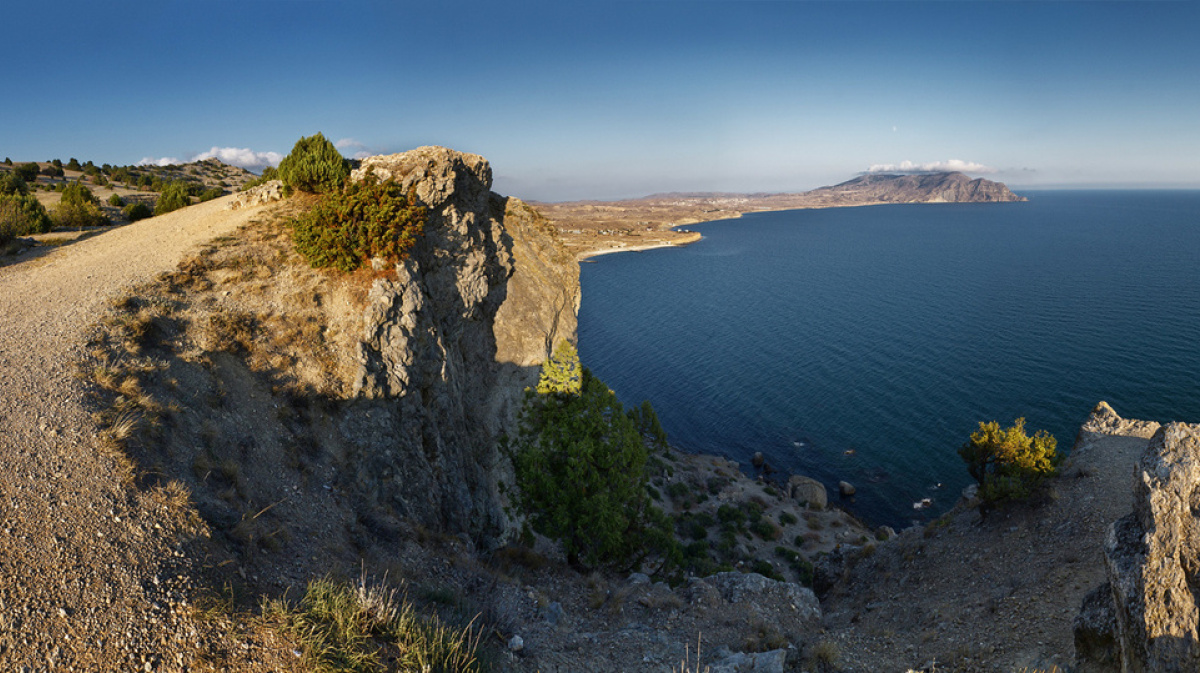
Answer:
(86, 579)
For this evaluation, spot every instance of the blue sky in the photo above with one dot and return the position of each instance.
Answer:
(614, 99)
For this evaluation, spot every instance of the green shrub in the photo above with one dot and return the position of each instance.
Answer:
(137, 211)
(766, 529)
(175, 195)
(1007, 463)
(210, 194)
(73, 165)
(116, 200)
(12, 183)
(52, 171)
(368, 219)
(28, 172)
(314, 166)
(78, 208)
(787, 519)
(579, 464)
(21, 214)
(765, 569)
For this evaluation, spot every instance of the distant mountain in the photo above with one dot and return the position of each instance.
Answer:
(916, 188)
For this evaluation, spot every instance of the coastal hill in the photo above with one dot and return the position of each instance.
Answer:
(916, 188)
(649, 221)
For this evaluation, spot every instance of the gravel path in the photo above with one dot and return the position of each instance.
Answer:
(86, 579)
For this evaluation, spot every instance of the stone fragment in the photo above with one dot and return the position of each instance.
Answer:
(846, 489)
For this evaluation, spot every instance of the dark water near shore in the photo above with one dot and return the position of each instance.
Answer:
(865, 344)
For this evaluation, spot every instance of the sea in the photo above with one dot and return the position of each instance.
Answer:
(866, 344)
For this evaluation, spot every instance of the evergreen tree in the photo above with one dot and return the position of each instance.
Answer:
(561, 374)
(314, 165)
(579, 463)
(1007, 462)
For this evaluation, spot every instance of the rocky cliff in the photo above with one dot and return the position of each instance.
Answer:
(1146, 617)
(919, 188)
(449, 343)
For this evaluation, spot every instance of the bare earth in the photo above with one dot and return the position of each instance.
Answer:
(87, 564)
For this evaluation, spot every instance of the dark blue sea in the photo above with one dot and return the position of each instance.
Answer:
(866, 344)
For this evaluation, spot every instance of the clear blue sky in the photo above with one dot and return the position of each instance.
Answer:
(616, 99)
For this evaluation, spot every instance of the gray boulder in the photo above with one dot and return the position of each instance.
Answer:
(807, 490)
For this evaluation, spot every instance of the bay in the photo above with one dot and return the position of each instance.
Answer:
(865, 344)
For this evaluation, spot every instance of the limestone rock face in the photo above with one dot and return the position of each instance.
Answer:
(450, 342)
(269, 191)
(766, 596)
(1153, 557)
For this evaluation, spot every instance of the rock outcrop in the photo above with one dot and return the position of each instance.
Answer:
(450, 342)
(917, 188)
(268, 192)
(1153, 564)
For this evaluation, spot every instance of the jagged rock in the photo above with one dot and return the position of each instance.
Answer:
(749, 662)
(450, 342)
(269, 191)
(1103, 420)
(807, 490)
(1096, 633)
(516, 644)
(761, 593)
(1153, 557)
(846, 489)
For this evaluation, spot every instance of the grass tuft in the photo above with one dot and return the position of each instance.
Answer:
(344, 628)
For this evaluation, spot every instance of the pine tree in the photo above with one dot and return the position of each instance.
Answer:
(561, 374)
(1007, 462)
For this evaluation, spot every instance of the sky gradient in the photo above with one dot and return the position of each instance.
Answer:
(623, 99)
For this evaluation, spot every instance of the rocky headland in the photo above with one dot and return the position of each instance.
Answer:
(596, 227)
(255, 423)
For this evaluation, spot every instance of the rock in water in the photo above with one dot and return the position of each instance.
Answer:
(846, 489)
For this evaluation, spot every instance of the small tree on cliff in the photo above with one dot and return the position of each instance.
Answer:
(562, 373)
(1007, 463)
(579, 462)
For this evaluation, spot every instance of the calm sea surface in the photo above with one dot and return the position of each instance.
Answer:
(866, 344)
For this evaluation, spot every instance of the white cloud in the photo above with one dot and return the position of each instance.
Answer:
(164, 161)
(348, 143)
(241, 156)
(932, 167)
(234, 156)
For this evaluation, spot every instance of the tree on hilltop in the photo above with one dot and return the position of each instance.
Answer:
(314, 166)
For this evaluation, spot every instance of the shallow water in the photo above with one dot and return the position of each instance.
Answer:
(866, 344)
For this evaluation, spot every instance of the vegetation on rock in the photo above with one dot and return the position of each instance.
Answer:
(1008, 463)
(314, 166)
(366, 220)
(579, 463)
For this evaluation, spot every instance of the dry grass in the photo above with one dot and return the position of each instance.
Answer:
(357, 628)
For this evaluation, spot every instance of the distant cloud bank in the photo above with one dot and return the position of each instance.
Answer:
(243, 157)
(931, 167)
(360, 149)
